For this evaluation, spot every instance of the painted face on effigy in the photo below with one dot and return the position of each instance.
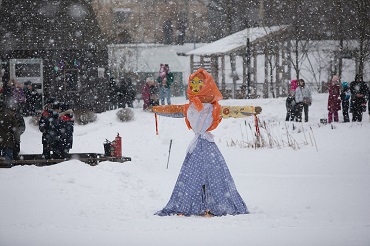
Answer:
(202, 89)
(196, 85)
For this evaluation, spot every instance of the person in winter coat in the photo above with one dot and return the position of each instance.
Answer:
(345, 96)
(154, 95)
(113, 94)
(290, 106)
(8, 125)
(48, 125)
(147, 93)
(359, 90)
(303, 100)
(165, 80)
(17, 98)
(65, 128)
(293, 85)
(31, 99)
(334, 99)
(18, 132)
(126, 93)
(6, 91)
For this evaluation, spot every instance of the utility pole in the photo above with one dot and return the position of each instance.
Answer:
(248, 69)
(261, 13)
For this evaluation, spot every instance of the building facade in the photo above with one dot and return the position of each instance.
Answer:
(152, 21)
(59, 45)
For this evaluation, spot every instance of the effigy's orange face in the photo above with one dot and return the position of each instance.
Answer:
(196, 84)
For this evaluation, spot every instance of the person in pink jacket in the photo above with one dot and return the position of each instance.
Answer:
(149, 94)
(293, 85)
(334, 99)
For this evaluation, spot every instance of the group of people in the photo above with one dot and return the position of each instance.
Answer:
(126, 93)
(350, 98)
(23, 96)
(299, 99)
(57, 125)
(158, 90)
(123, 93)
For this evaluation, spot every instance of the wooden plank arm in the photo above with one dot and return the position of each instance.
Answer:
(174, 111)
(239, 111)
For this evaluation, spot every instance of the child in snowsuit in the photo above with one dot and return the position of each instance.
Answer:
(149, 94)
(345, 96)
(290, 106)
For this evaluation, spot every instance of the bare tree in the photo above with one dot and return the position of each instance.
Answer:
(363, 33)
(348, 21)
(229, 16)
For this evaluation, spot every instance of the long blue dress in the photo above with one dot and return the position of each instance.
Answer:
(204, 183)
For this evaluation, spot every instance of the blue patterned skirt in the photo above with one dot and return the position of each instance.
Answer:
(204, 184)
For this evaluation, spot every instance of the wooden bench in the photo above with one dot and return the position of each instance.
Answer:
(37, 159)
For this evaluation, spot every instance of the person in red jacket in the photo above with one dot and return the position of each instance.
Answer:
(149, 94)
(334, 99)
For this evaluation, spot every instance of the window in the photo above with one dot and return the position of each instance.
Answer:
(101, 71)
(27, 70)
(121, 15)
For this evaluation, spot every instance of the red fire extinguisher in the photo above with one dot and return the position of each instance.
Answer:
(117, 146)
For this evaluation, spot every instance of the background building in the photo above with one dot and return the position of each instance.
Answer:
(153, 21)
(64, 38)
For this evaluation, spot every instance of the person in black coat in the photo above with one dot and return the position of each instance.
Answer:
(48, 125)
(126, 93)
(8, 124)
(31, 99)
(359, 90)
(290, 106)
(65, 128)
(18, 132)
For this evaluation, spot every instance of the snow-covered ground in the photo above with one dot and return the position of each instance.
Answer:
(314, 194)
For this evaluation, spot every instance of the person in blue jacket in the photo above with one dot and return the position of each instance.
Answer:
(345, 96)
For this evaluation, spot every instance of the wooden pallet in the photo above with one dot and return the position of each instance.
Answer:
(37, 160)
